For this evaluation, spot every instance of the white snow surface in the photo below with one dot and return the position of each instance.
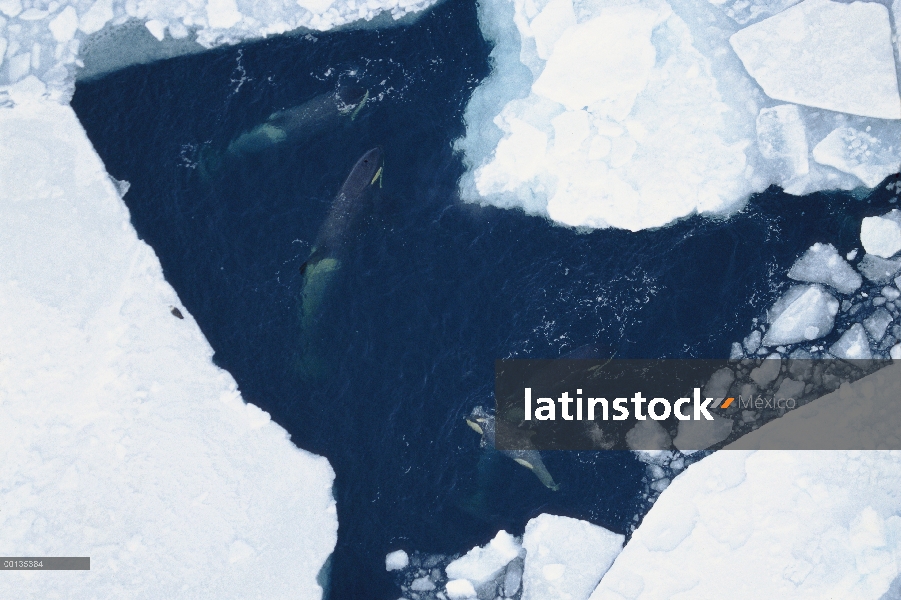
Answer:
(635, 114)
(825, 54)
(565, 557)
(45, 40)
(482, 565)
(120, 439)
(810, 524)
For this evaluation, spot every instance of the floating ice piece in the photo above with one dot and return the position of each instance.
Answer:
(821, 263)
(877, 323)
(422, 584)
(822, 53)
(513, 578)
(719, 383)
(789, 388)
(804, 312)
(895, 352)
(781, 137)
(881, 236)
(648, 435)
(768, 370)
(878, 270)
(156, 28)
(222, 14)
(752, 342)
(460, 589)
(858, 153)
(483, 565)
(625, 124)
(699, 435)
(565, 557)
(853, 344)
(397, 560)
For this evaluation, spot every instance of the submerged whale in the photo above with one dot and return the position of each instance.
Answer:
(484, 423)
(332, 244)
(291, 124)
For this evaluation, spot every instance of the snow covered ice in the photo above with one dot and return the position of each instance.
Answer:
(603, 114)
(827, 55)
(822, 264)
(565, 557)
(46, 40)
(121, 440)
(394, 561)
(881, 235)
(804, 312)
(481, 566)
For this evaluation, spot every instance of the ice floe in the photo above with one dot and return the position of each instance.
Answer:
(121, 439)
(881, 235)
(49, 42)
(481, 566)
(827, 55)
(397, 560)
(822, 264)
(565, 557)
(804, 312)
(603, 114)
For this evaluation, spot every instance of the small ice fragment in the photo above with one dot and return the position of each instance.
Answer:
(853, 345)
(881, 236)
(895, 352)
(767, 371)
(422, 584)
(482, 565)
(878, 270)
(397, 560)
(858, 153)
(156, 28)
(877, 323)
(64, 25)
(460, 589)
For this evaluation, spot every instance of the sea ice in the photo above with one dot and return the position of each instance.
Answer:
(482, 565)
(565, 557)
(821, 263)
(782, 138)
(768, 370)
(804, 312)
(397, 560)
(878, 270)
(877, 323)
(881, 236)
(576, 116)
(858, 153)
(121, 439)
(745, 11)
(700, 435)
(824, 54)
(813, 524)
(853, 345)
(896, 352)
(460, 589)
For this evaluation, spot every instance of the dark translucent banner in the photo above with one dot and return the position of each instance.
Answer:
(45, 563)
(690, 405)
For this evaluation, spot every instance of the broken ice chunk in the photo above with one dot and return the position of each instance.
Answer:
(822, 264)
(823, 53)
(878, 270)
(64, 25)
(482, 565)
(877, 323)
(858, 153)
(460, 589)
(565, 557)
(394, 561)
(782, 138)
(853, 345)
(743, 11)
(156, 28)
(804, 312)
(881, 236)
(768, 370)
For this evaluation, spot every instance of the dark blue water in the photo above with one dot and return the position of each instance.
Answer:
(434, 291)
